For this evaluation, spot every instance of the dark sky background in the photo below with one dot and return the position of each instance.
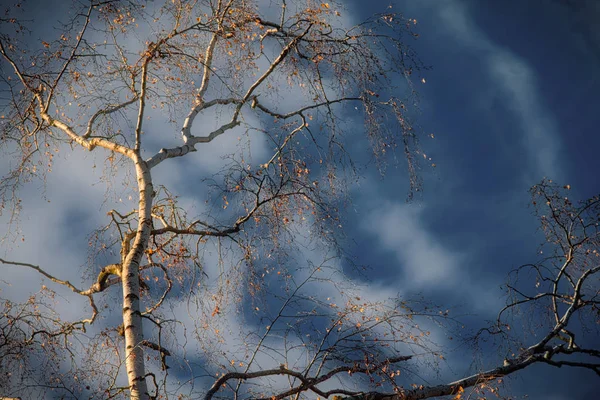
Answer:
(511, 98)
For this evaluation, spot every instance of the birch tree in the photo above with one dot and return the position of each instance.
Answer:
(148, 85)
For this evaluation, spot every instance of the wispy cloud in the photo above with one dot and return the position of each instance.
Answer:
(423, 260)
(517, 83)
(424, 263)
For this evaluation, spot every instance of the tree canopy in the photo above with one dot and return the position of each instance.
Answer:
(243, 292)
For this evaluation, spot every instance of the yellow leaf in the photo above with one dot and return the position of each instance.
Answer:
(459, 393)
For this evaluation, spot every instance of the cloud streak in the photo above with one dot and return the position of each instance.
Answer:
(517, 82)
(424, 263)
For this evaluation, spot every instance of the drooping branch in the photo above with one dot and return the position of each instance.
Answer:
(88, 293)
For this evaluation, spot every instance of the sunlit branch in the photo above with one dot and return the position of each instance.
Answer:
(282, 55)
(190, 140)
(180, 151)
(69, 59)
(306, 383)
(289, 137)
(165, 293)
(142, 99)
(106, 111)
(208, 56)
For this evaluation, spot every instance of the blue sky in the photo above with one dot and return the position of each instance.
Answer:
(511, 98)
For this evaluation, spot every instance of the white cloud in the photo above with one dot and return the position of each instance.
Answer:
(517, 82)
(424, 262)
(71, 198)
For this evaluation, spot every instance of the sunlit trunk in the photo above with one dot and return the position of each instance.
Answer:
(132, 319)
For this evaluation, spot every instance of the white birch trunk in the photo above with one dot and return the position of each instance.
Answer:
(132, 318)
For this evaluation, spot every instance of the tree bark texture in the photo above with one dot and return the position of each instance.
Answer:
(132, 317)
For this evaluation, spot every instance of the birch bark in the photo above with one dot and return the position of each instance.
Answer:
(132, 317)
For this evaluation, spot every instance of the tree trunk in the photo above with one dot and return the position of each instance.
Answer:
(132, 318)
